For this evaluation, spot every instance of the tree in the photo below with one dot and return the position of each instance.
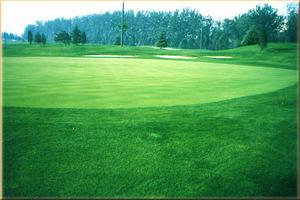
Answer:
(267, 23)
(5, 36)
(162, 42)
(63, 37)
(38, 38)
(118, 41)
(83, 38)
(76, 35)
(44, 39)
(29, 36)
(292, 22)
(123, 27)
(263, 39)
(250, 37)
(183, 44)
(198, 31)
(10, 37)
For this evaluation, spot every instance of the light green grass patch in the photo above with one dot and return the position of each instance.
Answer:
(57, 82)
(174, 57)
(109, 56)
(219, 57)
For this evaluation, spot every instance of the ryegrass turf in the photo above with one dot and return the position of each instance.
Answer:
(55, 82)
(238, 147)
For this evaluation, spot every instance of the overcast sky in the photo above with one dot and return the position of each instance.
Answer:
(17, 14)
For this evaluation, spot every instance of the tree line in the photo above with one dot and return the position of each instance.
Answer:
(11, 37)
(182, 29)
(76, 37)
(38, 38)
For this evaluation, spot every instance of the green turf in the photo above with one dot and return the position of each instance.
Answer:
(240, 147)
(244, 146)
(57, 82)
(276, 55)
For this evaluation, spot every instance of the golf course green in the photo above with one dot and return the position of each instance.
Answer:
(75, 126)
(55, 82)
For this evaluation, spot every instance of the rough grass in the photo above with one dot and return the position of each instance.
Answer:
(242, 147)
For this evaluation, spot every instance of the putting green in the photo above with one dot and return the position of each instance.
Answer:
(61, 82)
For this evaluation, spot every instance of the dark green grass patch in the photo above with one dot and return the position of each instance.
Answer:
(239, 147)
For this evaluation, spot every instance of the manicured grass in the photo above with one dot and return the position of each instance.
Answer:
(55, 82)
(149, 127)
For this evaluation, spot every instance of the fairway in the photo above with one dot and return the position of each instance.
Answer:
(150, 100)
(60, 82)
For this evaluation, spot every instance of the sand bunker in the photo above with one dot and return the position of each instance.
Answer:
(152, 47)
(226, 57)
(166, 48)
(175, 57)
(110, 56)
(173, 49)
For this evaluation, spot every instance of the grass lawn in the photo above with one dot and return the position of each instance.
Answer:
(149, 127)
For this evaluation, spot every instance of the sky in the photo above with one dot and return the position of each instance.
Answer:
(15, 15)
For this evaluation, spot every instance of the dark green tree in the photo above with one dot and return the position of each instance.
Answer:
(292, 23)
(29, 36)
(267, 23)
(63, 37)
(250, 37)
(123, 27)
(83, 38)
(38, 38)
(118, 41)
(76, 35)
(162, 41)
(183, 44)
(263, 39)
(44, 40)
